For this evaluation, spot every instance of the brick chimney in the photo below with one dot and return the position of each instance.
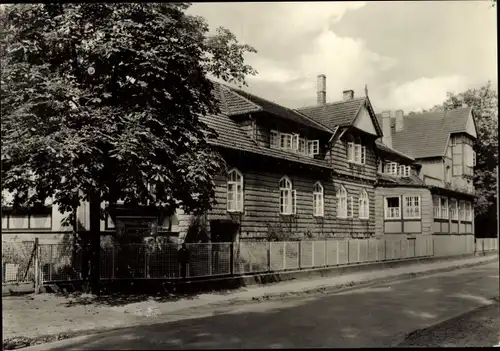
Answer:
(348, 95)
(321, 89)
(400, 117)
(386, 128)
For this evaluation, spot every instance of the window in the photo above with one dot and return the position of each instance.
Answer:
(444, 207)
(313, 147)
(393, 168)
(407, 172)
(341, 202)
(412, 206)
(287, 197)
(302, 145)
(274, 140)
(356, 153)
(364, 205)
(392, 208)
(235, 191)
(318, 202)
(33, 220)
(457, 159)
(453, 210)
(461, 210)
(286, 141)
(468, 211)
(437, 207)
(295, 141)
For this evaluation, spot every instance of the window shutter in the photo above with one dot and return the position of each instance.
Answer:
(294, 202)
(363, 154)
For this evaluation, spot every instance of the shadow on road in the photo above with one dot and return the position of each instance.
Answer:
(368, 317)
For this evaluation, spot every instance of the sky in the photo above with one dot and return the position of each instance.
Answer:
(409, 54)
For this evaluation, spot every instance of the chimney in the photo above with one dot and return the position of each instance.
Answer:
(348, 95)
(400, 116)
(386, 128)
(321, 89)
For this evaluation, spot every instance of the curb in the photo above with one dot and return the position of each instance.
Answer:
(44, 339)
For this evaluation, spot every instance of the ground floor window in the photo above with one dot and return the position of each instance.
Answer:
(392, 208)
(412, 207)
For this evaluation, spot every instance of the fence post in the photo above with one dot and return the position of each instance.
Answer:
(113, 262)
(145, 262)
(284, 255)
(385, 249)
(210, 258)
(376, 250)
(231, 258)
(337, 252)
(348, 251)
(312, 254)
(50, 261)
(359, 248)
(300, 254)
(268, 257)
(326, 254)
(38, 274)
(401, 249)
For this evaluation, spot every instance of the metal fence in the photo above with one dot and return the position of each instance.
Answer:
(60, 262)
(18, 262)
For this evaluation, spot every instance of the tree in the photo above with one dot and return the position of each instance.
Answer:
(484, 102)
(101, 101)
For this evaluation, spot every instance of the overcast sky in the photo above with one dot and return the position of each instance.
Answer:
(408, 53)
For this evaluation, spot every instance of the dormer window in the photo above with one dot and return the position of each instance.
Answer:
(356, 153)
(397, 170)
(313, 147)
(293, 142)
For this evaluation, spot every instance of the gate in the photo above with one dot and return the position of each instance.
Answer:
(18, 262)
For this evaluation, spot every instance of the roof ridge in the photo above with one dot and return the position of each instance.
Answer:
(333, 103)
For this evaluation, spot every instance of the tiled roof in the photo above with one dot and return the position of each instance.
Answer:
(385, 179)
(381, 146)
(426, 134)
(236, 102)
(341, 113)
(233, 137)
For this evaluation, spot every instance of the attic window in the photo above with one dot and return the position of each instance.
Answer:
(356, 153)
(313, 147)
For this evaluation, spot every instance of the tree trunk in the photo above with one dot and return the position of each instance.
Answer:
(95, 242)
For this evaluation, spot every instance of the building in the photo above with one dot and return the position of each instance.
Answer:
(437, 173)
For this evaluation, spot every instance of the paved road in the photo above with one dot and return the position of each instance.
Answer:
(376, 316)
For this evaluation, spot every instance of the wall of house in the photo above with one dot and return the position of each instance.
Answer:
(398, 229)
(449, 226)
(338, 158)
(434, 169)
(261, 204)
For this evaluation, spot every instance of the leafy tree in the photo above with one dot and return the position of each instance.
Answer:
(485, 104)
(100, 102)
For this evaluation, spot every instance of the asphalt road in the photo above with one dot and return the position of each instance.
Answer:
(384, 315)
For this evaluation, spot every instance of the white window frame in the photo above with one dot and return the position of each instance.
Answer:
(235, 189)
(443, 204)
(274, 139)
(313, 147)
(356, 153)
(286, 141)
(436, 201)
(295, 142)
(288, 197)
(341, 202)
(302, 146)
(364, 205)
(393, 168)
(461, 210)
(350, 207)
(318, 200)
(392, 212)
(414, 209)
(454, 210)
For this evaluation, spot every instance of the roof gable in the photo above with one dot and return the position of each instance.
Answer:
(341, 113)
(471, 126)
(364, 122)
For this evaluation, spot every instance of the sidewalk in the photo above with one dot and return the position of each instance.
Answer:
(42, 318)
